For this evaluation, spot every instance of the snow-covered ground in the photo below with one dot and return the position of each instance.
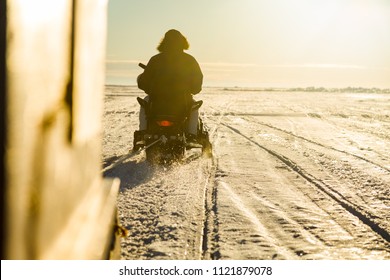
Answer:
(294, 175)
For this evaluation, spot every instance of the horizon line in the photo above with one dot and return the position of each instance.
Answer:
(254, 65)
(279, 87)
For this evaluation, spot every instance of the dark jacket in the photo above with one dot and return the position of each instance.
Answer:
(170, 79)
(171, 75)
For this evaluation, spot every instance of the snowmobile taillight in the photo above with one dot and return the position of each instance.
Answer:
(165, 123)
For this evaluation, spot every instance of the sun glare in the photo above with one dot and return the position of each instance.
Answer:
(260, 39)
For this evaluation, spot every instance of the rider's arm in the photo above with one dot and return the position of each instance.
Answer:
(197, 78)
(142, 84)
(144, 79)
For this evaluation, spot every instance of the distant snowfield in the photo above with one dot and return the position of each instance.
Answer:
(295, 175)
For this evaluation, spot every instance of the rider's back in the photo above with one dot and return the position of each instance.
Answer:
(172, 76)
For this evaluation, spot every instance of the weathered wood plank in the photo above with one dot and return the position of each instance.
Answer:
(57, 203)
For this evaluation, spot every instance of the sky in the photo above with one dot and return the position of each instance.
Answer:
(258, 43)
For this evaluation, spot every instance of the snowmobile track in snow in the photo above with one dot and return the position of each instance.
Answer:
(322, 145)
(210, 225)
(362, 215)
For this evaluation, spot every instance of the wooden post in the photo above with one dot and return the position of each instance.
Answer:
(3, 128)
(58, 205)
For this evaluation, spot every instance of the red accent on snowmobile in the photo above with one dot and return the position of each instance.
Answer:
(165, 123)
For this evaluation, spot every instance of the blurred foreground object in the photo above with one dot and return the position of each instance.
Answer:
(56, 203)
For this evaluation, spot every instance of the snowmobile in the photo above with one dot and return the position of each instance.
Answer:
(165, 140)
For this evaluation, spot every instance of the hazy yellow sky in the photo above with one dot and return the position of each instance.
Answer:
(282, 43)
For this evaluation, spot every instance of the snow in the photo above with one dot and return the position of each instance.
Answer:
(295, 174)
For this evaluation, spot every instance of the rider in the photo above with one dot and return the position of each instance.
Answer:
(172, 75)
